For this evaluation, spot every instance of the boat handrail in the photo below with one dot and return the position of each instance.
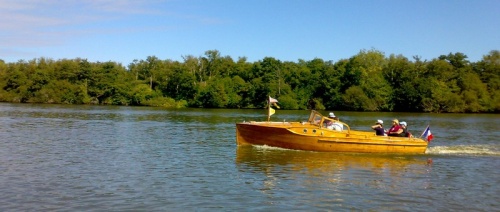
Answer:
(348, 128)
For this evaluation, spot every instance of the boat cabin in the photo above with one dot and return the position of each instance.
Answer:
(315, 118)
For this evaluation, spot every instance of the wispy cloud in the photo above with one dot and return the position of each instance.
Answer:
(14, 53)
(35, 23)
(124, 6)
(32, 25)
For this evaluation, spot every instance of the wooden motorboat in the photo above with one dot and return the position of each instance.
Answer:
(313, 135)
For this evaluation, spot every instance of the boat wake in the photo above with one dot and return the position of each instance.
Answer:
(266, 147)
(486, 150)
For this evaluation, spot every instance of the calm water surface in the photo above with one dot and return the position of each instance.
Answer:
(100, 158)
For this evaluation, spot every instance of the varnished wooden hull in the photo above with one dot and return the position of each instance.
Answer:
(309, 137)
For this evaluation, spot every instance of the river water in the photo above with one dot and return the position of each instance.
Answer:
(104, 158)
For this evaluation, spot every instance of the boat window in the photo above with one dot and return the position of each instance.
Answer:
(314, 116)
(317, 119)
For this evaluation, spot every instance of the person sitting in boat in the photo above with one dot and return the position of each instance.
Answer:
(405, 132)
(396, 129)
(333, 125)
(379, 128)
(328, 123)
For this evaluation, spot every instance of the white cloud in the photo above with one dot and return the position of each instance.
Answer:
(38, 27)
(33, 23)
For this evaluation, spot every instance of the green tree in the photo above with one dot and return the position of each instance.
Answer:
(213, 96)
(488, 71)
(181, 85)
(356, 99)
(403, 77)
(364, 71)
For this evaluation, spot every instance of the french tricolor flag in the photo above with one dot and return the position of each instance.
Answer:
(427, 134)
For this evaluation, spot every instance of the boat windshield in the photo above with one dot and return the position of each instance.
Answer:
(315, 118)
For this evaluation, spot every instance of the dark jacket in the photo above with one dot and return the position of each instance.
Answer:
(379, 130)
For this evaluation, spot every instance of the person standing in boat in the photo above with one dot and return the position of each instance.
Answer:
(379, 128)
(396, 129)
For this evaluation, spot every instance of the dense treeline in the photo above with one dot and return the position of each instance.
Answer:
(368, 81)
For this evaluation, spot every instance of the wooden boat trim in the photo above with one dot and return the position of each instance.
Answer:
(371, 143)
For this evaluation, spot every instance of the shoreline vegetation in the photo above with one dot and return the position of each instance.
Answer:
(367, 81)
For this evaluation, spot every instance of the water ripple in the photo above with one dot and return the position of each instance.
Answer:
(93, 158)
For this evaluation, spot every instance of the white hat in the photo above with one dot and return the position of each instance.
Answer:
(331, 114)
(380, 121)
(403, 123)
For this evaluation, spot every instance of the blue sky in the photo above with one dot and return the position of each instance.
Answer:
(288, 30)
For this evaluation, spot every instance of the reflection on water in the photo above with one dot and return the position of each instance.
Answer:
(340, 178)
(263, 157)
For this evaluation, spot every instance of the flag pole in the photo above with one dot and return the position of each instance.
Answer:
(424, 131)
(269, 108)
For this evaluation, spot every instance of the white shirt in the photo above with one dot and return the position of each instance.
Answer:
(338, 126)
(335, 126)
